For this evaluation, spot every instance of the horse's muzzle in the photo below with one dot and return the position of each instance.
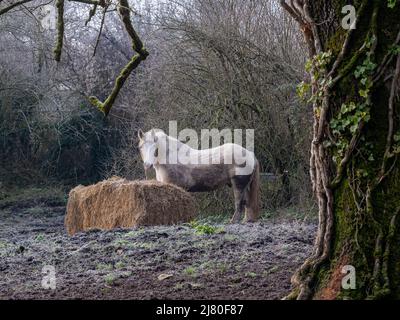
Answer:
(147, 166)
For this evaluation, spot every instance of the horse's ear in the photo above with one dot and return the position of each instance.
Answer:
(140, 134)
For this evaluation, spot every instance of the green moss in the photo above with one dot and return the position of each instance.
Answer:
(190, 271)
(110, 279)
(105, 107)
(358, 225)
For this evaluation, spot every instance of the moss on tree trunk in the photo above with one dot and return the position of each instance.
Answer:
(354, 165)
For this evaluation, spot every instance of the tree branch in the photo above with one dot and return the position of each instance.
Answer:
(101, 3)
(92, 12)
(124, 11)
(12, 6)
(60, 30)
(142, 53)
(119, 82)
(103, 18)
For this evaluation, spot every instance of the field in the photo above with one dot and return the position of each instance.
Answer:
(201, 260)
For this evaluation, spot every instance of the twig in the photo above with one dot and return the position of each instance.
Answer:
(103, 18)
(94, 2)
(92, 12)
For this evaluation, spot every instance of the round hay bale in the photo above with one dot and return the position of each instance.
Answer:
(120, 203)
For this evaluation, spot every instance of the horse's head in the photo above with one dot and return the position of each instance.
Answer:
(148, 146)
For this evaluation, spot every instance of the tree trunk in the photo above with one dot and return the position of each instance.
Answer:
(355, 168)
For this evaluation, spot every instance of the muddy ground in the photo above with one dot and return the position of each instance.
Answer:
(243, 261)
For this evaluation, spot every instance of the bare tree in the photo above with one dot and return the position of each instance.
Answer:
(124, 11)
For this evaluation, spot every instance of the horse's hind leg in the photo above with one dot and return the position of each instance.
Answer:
(239, 206)
(239, 184)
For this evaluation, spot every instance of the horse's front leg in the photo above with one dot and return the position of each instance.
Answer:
(161, 174)
(239, 203)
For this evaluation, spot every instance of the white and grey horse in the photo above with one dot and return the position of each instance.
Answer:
(204, 170)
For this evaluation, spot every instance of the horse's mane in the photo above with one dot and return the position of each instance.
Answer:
(161, 133)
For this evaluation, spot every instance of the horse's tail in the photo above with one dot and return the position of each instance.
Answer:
(253, 204)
